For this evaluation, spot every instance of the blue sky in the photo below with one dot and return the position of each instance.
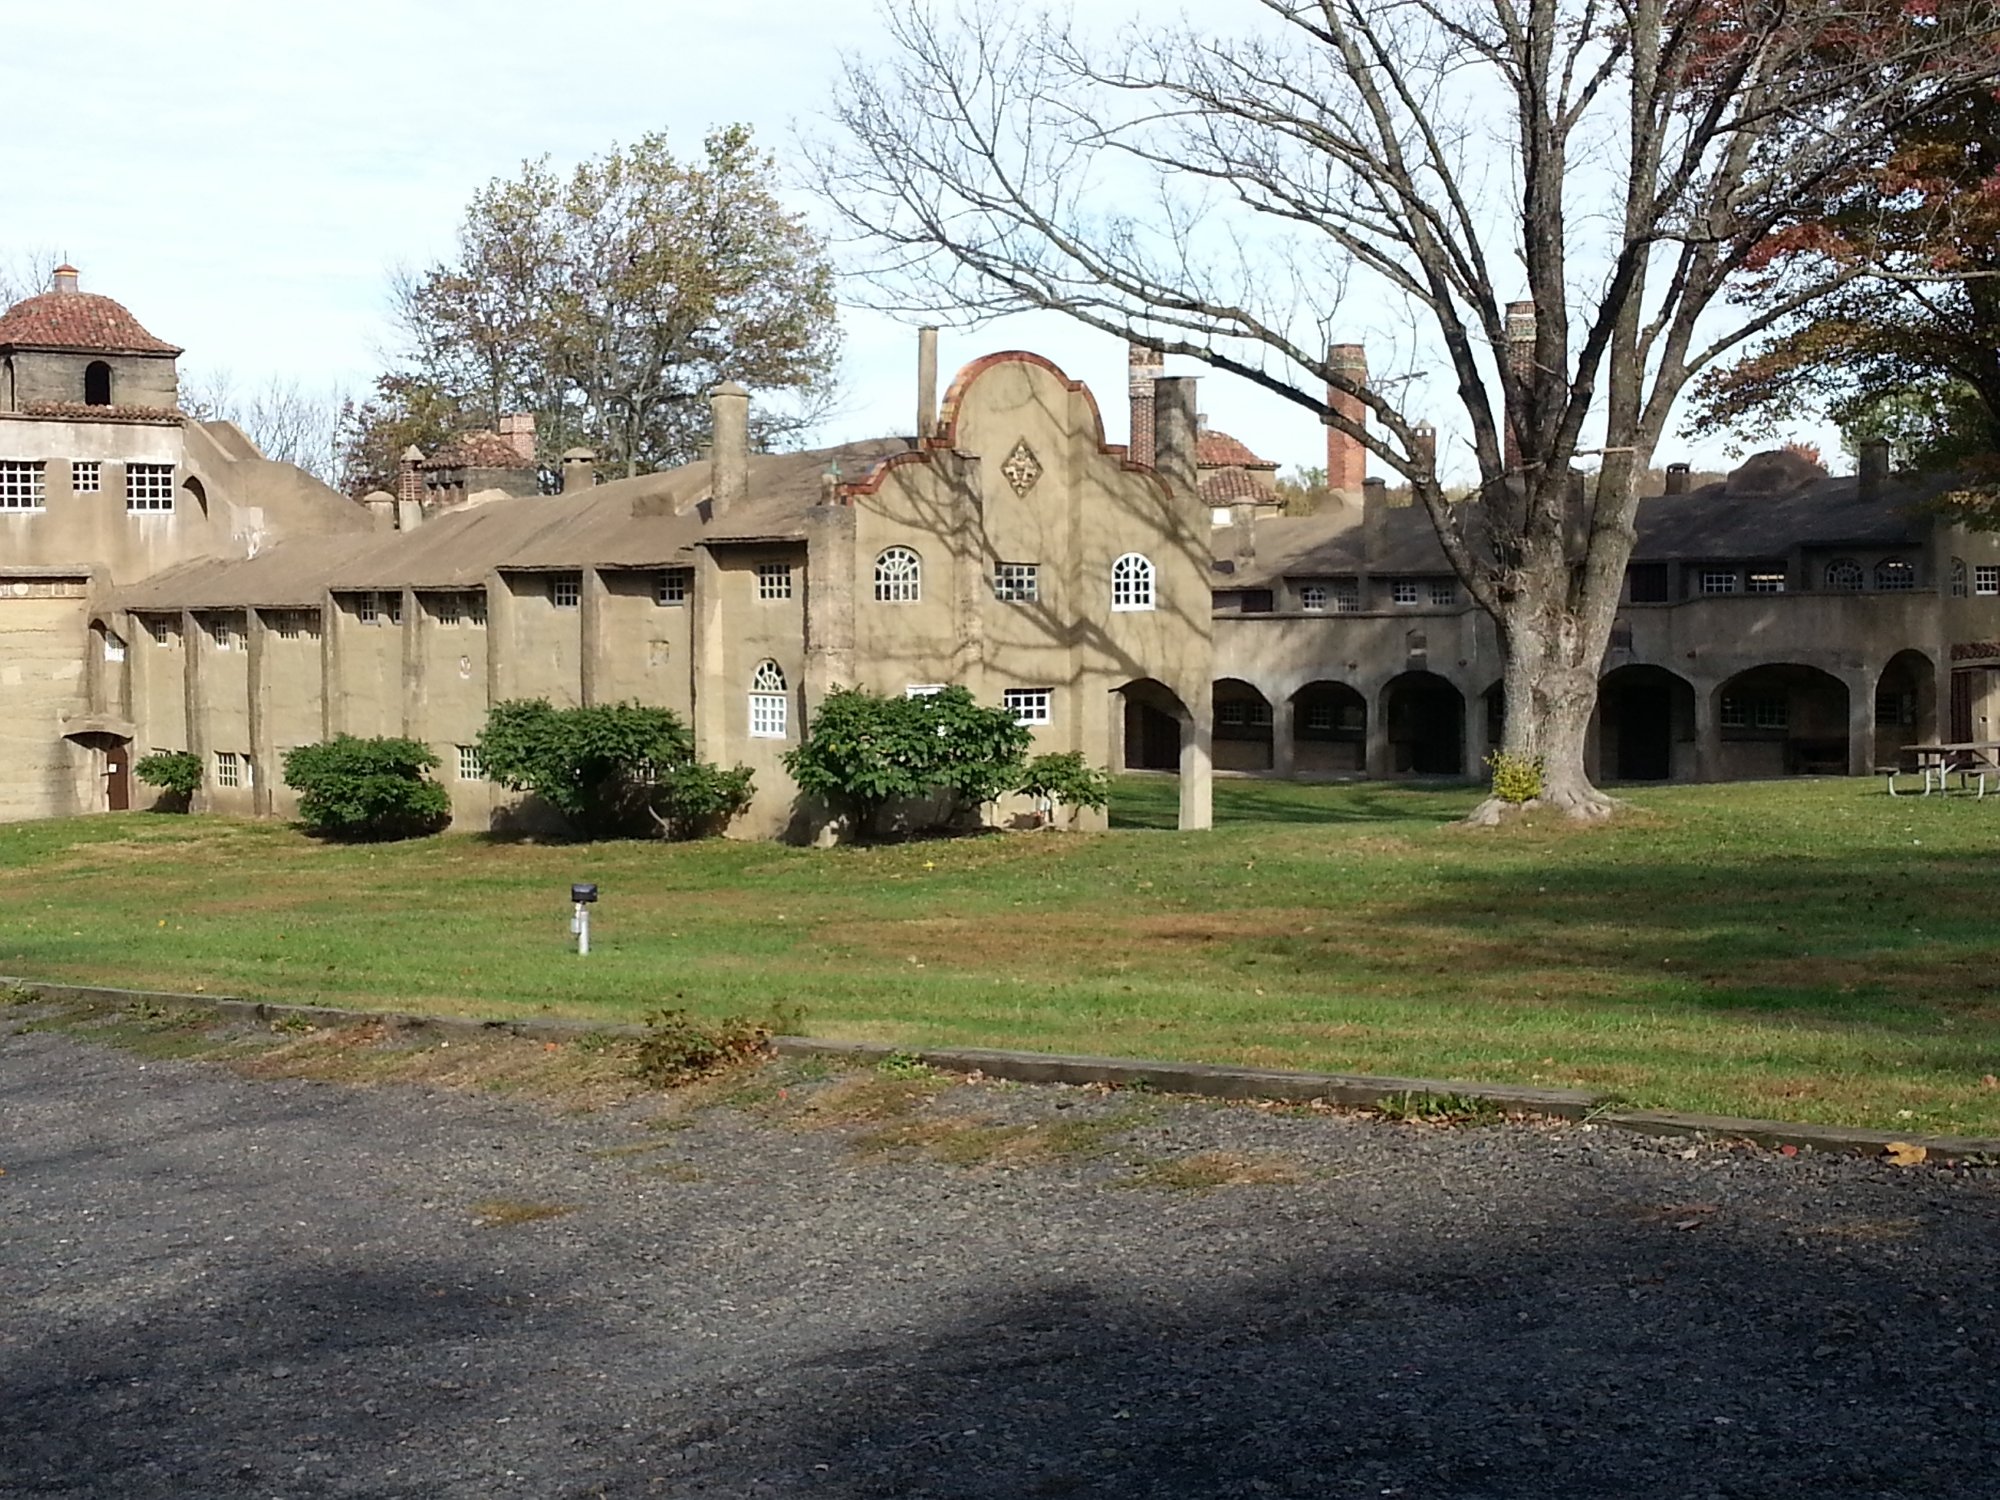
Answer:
(245, 175)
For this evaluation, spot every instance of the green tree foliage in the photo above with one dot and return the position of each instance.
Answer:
(864, 751)
(610, 769)
(175, 772)
(608, 301)
(1065, 779)
(367, 788)
(405, 411)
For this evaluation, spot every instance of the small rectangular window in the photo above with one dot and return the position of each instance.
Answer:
(1017, 583)
(774, 581)
(1444, 592)
(445, 609)
(365, 609)
(1260, 716)
(475, 609)
(1767, 583)
(286, 624)
(1646, 583)
(768, 714)
(673, 586)
(22, 486)
(114, 647)
(1347, 596)
(86, 476)
(1313, 596)
(1257, 601)
(1770, 713)
(392, 605)
(566, 590)
(1027, 705)
(1719, 581)
(1986, 579)
(469, 767)
(228, 768)
(161, 629)
(1234, 714)
(1403, 591)
(149, 487)
(1320, 718)
(225, 632)
(923, 689)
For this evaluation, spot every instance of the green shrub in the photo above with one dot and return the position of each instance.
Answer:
(367, 788)
(1516, 778)
(1065, 779)
(863, 751)
(613, 769)
(177, 773)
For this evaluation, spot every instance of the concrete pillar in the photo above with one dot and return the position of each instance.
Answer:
(1520, 357)
(1284, 732)
(1198, 761)
(501, 625)
(1477, 745)
(265, 771)
(1707, 734)
(593, 642)
(332, 687)
(1375, 758)
(194, 702)
(830, 582)
(415, 643)
(927, 383)
(714, 694)
(729, 465)
(1861, 724)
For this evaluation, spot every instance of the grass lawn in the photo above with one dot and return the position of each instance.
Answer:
(1805, 949)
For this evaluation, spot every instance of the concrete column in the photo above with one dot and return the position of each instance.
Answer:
(415, 643)
(500, 626)
(830, 582)
(1861, 724)
(1284, 736)
(1375, 758)
(264, 768)
(1198, 761)
(714, 694)
(590, 623)
(1477, 745)
(332, 689)
(194, 703)
(927, 383)
(1707, 733)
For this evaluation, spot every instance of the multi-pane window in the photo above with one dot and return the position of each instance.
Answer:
(392, 605)
(1754, 712)
(566, 590)
(229, 768)
(161, 629)
(286, 624)
(923, 689)
(475, 608)
(1895, 575)
(774, 581)
(445, 609)
(149, 486)
(1719, 581)
(114, 647)
(1347, 596)
(899, 577)
(22, 485)
(1132, 582)
(1017, 583)
(1444, 592)
(1403, 591)
(768, 703)
(365, 609)
(86, 476)
(1958, 588)
(1313, 596)
(673, 586)
(1321, 717)
(1844, 576)
(225, 632)
(1986, 579)
(469, 767)
(1027, 705)
(1233, 714)
(1772, 582)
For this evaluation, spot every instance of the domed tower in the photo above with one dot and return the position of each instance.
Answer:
(68, 350)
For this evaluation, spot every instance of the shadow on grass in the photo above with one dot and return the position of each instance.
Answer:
(1154, 802)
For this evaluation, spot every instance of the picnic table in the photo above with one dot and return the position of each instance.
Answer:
(1968, 760)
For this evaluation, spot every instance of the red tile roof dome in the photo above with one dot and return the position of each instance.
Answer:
(69, 319)
(478, 450)
(1218, 450)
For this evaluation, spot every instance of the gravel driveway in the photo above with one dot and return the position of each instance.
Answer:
(219, 1286)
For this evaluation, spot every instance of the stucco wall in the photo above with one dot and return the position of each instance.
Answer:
(41, 681)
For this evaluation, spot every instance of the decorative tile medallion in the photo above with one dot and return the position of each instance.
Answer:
(1022, 468)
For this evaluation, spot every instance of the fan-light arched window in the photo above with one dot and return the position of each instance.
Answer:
(899, 577)
(1843, 575)
(1895, 575)
(1958, 589)
(1132, 582)
(768, 703)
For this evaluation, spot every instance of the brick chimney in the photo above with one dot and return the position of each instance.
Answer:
(518, 428)
(409, 477)
(1346, 459)
(1426, 445)
(1521, 363)
(64, 279)
(1145, 365)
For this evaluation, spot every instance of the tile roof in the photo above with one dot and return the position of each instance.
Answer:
(1218, 450)
(77, 320)
(478, 450)
(1225, 485)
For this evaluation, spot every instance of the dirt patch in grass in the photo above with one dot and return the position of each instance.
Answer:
(501, 1213)
(1207, 1170)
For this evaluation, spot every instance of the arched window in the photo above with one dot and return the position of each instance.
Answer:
(899, 577)
(1895, 575)
(97, 383)
(1132, 582)
(1843, 576)
(1958, 578)
(768, 704)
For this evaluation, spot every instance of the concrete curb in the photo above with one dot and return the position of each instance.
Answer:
(1204, 1080)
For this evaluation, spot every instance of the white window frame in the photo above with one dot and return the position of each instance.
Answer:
(1761, 582)
(770, 703)
(223, 631)
(23, 485)
(114, 646)
(1347, 596)
(774, 582)
(566, 591)
(899, 576)
(1403, 592)
(1986, 579)
(1717, 581)
(229, 770)
(469, 766)
(161, 629)
(1315, 597)
(367, 609)
(1322, 716)
(285, 624)
(923, 689)
(1030, 706)
(1017, 583)
(1133, 583)
(149, 488)
(86, 476)
(1958, 584)
(673, 587)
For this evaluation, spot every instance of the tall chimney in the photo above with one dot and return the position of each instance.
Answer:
(518, 428)
(1874, 467)
(1521, 364)
(409, 478)
(1677, 479)
(1173, 434)
(729, 468)
(64, 279)
(1346, 459)
(1146, 365)
(927, 345)
(1426, 447)
(579, 470)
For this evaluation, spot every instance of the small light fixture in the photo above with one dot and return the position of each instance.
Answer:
(581, 897)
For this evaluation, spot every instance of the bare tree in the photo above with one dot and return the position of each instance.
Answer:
(1616, 161)
(26, 272)
(287, 423)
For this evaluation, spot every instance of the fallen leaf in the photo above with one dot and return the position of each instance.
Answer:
(1905, 1153)
(1788, 1150)
(1989, 1082)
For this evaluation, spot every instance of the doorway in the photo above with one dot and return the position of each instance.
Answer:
(118, 777)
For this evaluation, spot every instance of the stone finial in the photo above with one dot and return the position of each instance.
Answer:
(65, 278)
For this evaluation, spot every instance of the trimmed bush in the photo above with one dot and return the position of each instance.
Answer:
(1065, 779)
(354, 788)
(177, 774)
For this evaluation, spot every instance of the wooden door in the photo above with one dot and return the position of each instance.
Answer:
(1961, 707)
(118, 778)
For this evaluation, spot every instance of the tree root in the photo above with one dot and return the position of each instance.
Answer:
(1583, 806)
